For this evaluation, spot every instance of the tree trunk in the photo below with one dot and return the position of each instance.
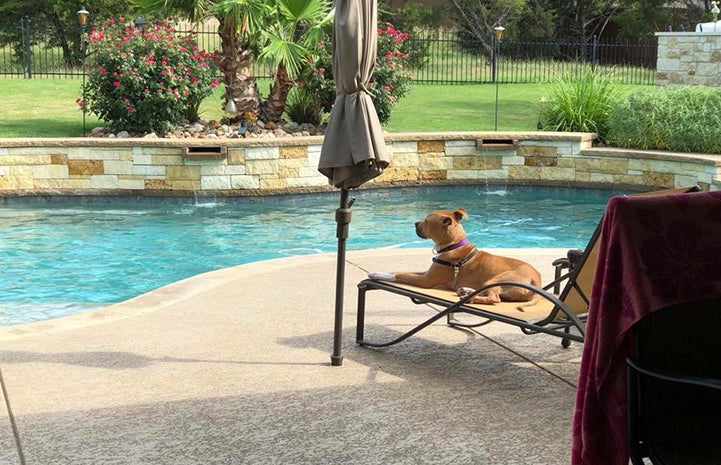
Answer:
(240, 85)
(274, 106)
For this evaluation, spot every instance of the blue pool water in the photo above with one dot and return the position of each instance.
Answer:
(60, 257)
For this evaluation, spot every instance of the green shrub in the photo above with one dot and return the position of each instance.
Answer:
(581, 105)
(390, 81)
(683, 119)
(146, 81)
(303, 107)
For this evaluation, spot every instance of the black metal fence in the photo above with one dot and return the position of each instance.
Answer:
(443, 58)
(451, 60)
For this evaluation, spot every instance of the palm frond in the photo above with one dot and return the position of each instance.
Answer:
(303, 10)
(281, 49)
(191, 9)
(251, 16)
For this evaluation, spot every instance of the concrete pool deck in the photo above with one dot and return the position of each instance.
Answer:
(233, 367)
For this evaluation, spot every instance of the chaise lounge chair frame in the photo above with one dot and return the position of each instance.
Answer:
(561, 314)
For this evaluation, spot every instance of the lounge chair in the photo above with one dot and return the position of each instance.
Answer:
(560, 311)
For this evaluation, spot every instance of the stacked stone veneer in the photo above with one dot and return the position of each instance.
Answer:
(271, 166)
(688, 58)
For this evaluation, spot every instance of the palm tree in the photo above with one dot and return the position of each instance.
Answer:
(289, 41)
(240, 26)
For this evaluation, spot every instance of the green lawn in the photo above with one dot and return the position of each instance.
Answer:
(47, 108)
(468, 108)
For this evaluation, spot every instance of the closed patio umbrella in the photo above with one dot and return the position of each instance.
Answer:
(353, 149)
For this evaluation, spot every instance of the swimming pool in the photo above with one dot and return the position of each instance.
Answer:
(65, 256)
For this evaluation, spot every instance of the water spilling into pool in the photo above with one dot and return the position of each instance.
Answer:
(65, 256)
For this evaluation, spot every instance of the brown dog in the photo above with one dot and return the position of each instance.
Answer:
(461, 267)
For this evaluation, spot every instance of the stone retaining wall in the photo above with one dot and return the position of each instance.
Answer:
(271, 166)
(688, 58)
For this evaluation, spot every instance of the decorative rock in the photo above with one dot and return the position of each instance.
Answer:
(217, 130)
(97, 132)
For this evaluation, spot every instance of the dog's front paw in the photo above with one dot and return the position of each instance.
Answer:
(464, 291)
(485, 297)
(380, 276)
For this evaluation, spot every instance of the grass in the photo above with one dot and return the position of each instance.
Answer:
(47, 108)
(468, 108)
(41, 108)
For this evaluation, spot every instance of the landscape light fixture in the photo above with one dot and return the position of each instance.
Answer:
(498, 35)
(83, 16)
(498, 30)
(139, 23)
(83, 20)
(230, 107)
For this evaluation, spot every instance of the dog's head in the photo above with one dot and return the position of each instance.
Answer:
(442, 226)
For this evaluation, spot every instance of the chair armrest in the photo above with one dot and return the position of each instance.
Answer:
(712, 383)
(569, 261)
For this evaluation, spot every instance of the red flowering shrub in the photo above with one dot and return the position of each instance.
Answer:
(146, 81)
(390, 81)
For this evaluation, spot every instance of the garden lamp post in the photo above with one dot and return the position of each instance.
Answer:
(83, 19)
(498, 36)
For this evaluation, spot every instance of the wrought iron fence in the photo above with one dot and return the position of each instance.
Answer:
(452, 60)
(440, 58)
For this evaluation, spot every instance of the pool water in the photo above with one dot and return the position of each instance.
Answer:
(65, 256)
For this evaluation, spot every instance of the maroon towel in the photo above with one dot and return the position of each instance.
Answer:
(655, 251)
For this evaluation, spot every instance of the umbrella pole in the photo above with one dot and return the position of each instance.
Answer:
(343, 218)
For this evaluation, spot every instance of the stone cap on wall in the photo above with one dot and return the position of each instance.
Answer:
(288, 141)
(688, 33)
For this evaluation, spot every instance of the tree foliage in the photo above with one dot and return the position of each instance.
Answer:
(477, 18)
(294, 31)
(578, 20)
(55, 22)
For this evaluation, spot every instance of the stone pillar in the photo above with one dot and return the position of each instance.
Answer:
(688, 58)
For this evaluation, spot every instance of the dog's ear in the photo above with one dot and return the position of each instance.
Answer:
(459, 214)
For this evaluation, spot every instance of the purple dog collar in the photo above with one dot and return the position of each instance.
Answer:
(458, 244)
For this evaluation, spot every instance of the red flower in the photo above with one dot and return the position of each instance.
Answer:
(116, 83)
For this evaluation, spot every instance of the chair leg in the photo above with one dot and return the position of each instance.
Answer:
(360, 322)
(635, 449)
(566, 342)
